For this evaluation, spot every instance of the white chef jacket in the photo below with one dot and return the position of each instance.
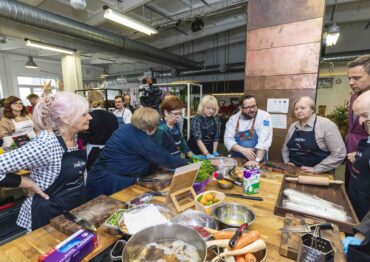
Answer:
(262, 126)
(125, 114)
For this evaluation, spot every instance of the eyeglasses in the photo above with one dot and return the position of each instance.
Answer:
(249, 107)
(176, 114)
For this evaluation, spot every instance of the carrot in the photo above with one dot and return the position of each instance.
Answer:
(223, 235)
(239, 259)
(247, 238)
(256, 246)
(249, 257)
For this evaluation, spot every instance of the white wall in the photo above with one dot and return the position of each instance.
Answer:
(13, 66)
(338, 94)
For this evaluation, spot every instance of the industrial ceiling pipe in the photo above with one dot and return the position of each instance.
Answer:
(33, 16)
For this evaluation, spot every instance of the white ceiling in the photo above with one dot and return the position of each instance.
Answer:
(219, 16)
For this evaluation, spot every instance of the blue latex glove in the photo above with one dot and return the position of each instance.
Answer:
(350, 241)
(198, 157)
(209, 156)
(216, 154)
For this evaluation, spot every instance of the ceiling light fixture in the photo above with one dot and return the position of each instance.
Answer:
(127, 21)
(78, 4)
(334, 30)
(45, 46)
(30, 63)
(105, 73)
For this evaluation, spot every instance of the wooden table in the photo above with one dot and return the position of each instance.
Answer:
(31, 246)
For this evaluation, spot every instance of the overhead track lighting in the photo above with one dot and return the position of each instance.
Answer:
(45, 46)
(30, 63)
(104, 74)
(127, 21)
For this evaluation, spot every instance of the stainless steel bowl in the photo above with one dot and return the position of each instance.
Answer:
(192, 218)
(222, 185)
(226, 166)
(233, 215)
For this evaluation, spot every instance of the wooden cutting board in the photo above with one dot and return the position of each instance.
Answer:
(290, 241)
(96, 211)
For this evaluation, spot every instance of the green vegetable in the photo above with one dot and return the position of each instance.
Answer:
(205, 170)
(114, 218)
(199, 198)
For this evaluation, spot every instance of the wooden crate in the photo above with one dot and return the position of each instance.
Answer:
(333, 193)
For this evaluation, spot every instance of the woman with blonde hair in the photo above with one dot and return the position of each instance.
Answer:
(206, 128)
(57, 166)
(129, 154)
(313, 143)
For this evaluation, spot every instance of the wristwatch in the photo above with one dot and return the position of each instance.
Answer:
(258, 160)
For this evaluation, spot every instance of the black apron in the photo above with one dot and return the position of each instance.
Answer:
(208, 135)
(67, 191)
(303, 148)
(359, 180)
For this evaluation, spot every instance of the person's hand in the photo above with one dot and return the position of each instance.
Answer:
(32, 188)
(351, 157)
(350, 241)
(198, 157)
(253, 163)
(291, 164)
(209, 156)
(248, 153)
(307, 169)
(216, 154)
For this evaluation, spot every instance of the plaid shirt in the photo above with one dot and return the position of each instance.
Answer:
(208, 123)
(43, 156)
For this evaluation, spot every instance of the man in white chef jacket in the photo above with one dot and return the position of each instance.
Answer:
(248, 133)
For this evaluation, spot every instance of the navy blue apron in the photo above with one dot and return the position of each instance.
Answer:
(120, 118)
(303, 148)
(67, 191)
(208, 135)
(359, 180)
(176, 138)
(246, 139)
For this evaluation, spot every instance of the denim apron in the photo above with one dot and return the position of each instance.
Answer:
(67, 191)
(246, 139)
(120, 118)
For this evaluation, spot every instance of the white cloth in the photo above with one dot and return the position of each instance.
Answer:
(262, 126)
(143, 218)
(125, 114)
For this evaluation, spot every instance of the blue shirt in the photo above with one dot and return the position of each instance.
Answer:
(131, 152)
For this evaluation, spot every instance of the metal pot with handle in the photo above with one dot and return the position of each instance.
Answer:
(163, 234)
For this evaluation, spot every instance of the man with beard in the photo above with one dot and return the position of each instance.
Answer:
(358, 73)
(358, 246)
(248, 133)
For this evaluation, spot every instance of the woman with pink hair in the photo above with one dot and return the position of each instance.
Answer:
(57, 166)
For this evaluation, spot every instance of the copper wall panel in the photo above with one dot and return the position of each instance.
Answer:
(281, 82)
(300, 59)
(302, 32)
(264, 13)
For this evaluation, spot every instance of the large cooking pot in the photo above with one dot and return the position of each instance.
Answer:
(158, 234)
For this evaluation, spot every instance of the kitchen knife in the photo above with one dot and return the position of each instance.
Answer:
(244, 197)
(307, 228)
(79, 221)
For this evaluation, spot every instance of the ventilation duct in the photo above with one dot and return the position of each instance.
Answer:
(29, 15)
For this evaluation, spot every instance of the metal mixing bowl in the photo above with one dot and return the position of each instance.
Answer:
(226, 166)
(195, 218)
(233, 215)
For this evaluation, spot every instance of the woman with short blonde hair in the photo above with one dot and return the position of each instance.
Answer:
(130, 153)
(95, 98)
(206, 128)
(313, 143)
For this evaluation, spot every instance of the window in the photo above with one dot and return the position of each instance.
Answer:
(33, 85)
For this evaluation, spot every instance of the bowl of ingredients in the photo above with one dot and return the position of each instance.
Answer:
(226, 166)
(142, 216)
(164, 242)
(224, 184)
(196, 220)
(111, 223)
(233, 215)
(208, 200)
